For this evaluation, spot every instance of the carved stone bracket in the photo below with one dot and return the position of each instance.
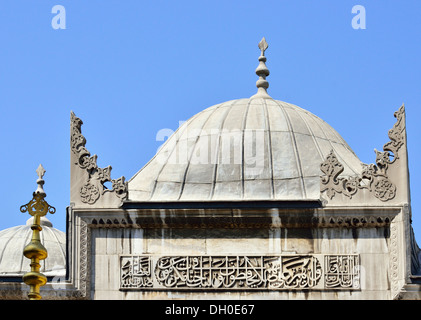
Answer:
(94, 187)
(373, 177)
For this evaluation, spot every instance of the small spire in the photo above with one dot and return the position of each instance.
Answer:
(35, 250)
(262, 71)
(40, 172)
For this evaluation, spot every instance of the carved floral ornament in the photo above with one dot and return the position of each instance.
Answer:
(373, 177)
(94, 187)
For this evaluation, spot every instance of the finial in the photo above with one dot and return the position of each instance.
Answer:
(40, 172)
(263, 45)
(262, 71)
(34, 250)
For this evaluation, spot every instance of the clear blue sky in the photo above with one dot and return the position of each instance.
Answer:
(131, 68)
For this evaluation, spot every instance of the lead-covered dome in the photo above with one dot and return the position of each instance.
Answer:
(13, 241)
(246, 149)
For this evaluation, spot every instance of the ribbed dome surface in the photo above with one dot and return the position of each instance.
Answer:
(246, 149)
(13, 241)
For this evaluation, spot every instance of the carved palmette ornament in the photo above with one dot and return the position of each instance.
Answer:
(120, 187)
(94, 187)
(373, 177)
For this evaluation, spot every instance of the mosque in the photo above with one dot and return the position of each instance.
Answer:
(252, 198)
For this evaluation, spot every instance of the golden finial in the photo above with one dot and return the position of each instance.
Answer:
(34, 250)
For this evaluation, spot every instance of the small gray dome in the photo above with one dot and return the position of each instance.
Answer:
(13, 241)
(247, 149)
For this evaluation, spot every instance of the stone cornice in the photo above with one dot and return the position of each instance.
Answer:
(241, 218)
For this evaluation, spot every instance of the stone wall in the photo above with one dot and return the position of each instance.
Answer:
(368, 248)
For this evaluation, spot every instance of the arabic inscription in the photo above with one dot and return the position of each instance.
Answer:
(277, 272)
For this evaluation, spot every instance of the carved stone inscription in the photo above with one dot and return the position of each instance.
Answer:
(238, 272)
(342, 271)
(275, 272)
(136, 272)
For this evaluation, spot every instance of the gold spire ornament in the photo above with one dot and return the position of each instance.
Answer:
(34, 250)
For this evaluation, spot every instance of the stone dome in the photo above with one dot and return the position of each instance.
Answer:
(13, 241)
(246, 149)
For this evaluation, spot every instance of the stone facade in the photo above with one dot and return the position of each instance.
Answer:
(312, 223)
(356, 252)
(349, 244)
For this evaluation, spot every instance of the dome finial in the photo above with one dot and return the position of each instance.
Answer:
(262, 71)
(263, 45)
(34, 250)
(40, 181)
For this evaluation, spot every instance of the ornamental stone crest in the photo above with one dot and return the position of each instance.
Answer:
(373, 177)
(94, 187)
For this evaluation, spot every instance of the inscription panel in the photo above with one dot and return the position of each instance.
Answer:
(340, 271)
(272, 272)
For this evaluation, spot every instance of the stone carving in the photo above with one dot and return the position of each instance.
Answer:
(396, 134)
(330, 182)
(278, 272)
(342, 271)
(373, 176)
(136, 272)
(120, 187)
(94, 187)
(222, 272)
(89, 193)
(394, 260)
(84, 262)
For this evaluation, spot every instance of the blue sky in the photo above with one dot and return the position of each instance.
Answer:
(131, 68)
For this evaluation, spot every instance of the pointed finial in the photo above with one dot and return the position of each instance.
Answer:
(263, 45)
(35, 250)
(40, 172)
(262, 71)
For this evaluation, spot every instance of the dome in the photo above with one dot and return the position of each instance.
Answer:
(13, 241)
(247, 149)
